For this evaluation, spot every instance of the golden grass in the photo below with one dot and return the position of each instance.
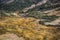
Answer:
(28, 28)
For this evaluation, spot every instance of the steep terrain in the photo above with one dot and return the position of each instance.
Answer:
(29, 19)
(29, 4)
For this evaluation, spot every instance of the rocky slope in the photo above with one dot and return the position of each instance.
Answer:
(30, 4)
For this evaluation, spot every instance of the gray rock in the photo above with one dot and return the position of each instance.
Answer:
(55, 22)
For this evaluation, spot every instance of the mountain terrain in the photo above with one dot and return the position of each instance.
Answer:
(29, 19)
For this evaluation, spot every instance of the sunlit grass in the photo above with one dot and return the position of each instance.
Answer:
(27, 28)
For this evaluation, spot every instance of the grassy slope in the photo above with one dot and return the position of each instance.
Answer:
(28, 28)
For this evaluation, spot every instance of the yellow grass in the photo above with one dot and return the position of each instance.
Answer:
(27, 28)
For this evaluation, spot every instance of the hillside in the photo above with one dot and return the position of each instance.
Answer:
(29, 19)
(27, 28)
(23, 4)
